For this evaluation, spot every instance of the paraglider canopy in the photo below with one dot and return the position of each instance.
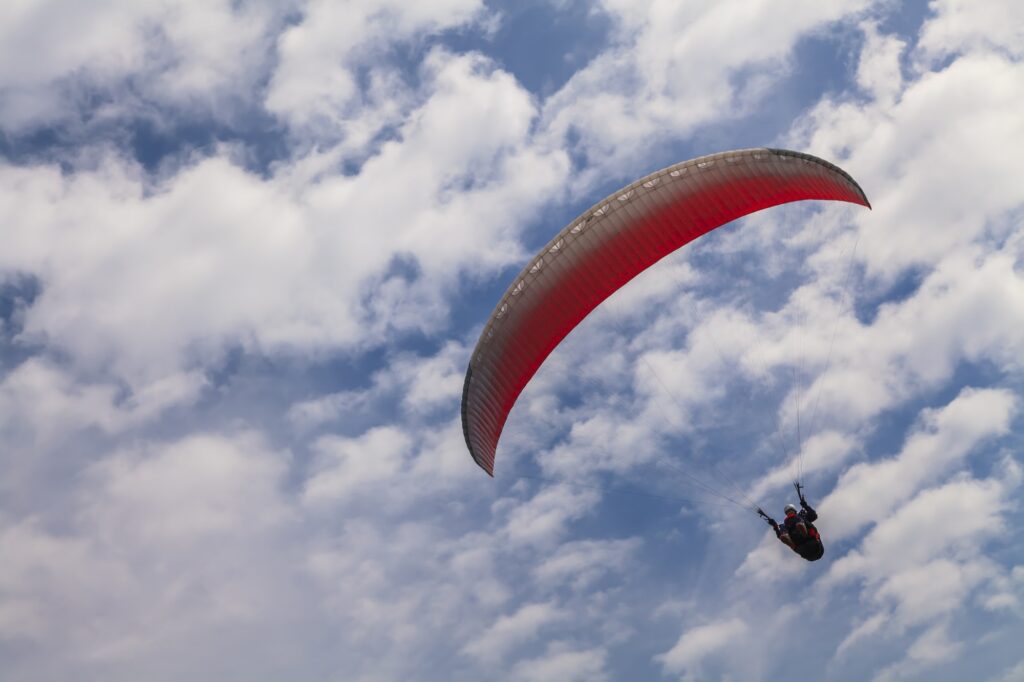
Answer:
(610, 244)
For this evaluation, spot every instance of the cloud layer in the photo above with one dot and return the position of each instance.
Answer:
(247, 248)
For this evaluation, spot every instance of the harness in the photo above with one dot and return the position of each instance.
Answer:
(812, 531)
(810, 548)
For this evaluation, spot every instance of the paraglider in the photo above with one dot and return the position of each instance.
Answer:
(797, 530)
(610, 244)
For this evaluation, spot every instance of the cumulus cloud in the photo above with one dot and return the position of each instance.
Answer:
(41, 399)
(918, 570)
(878, 69)
(315, 84)
(583, 562)
(957, 26)
(865, 630)
(927, 651)
(208, 56)
(921, 564)
(544, 518)
(179, 492)
(821, 452)
(421, 385)
(699, 643)
(676, 67)
(513, 630)
(345, 465)
(961, 513)
(165, 541)
(563, 663)
(929, 199)
(945, 438)
(362, 544)
(148, 283)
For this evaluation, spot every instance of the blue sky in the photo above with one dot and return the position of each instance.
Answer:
(248, 248)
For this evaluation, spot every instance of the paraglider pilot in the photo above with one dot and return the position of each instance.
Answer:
(797, 530)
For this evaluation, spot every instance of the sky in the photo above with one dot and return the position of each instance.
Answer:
(248, 248)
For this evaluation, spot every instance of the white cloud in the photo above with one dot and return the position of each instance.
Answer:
(772, 561)
(442, 462)
(309, 414)
(218, 545)
(878, 69)
(934, 185)
(344, 466)
(823, 451)
(675, 67)
(932, 648)
(965, 308)
(583, 562)
(865, 631)
(315, 83)
(924, 564)
(925, 592)
(435, 382)
(563, 664)
(601, 440)
(508, 632)
(183, 54)
(102, 36)
(390, 601)
(871, 490)
(422, 386)
(42, 395)
(960, 515)
(32, 583)
(921, 564)
(203, 486)
(158, 548)
(39, 398)
(699, 643)
(644, 384)
(149, 281)
(49, 413)
(544, 518)
(1012, 674)
(430, 593)
(960, 26)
